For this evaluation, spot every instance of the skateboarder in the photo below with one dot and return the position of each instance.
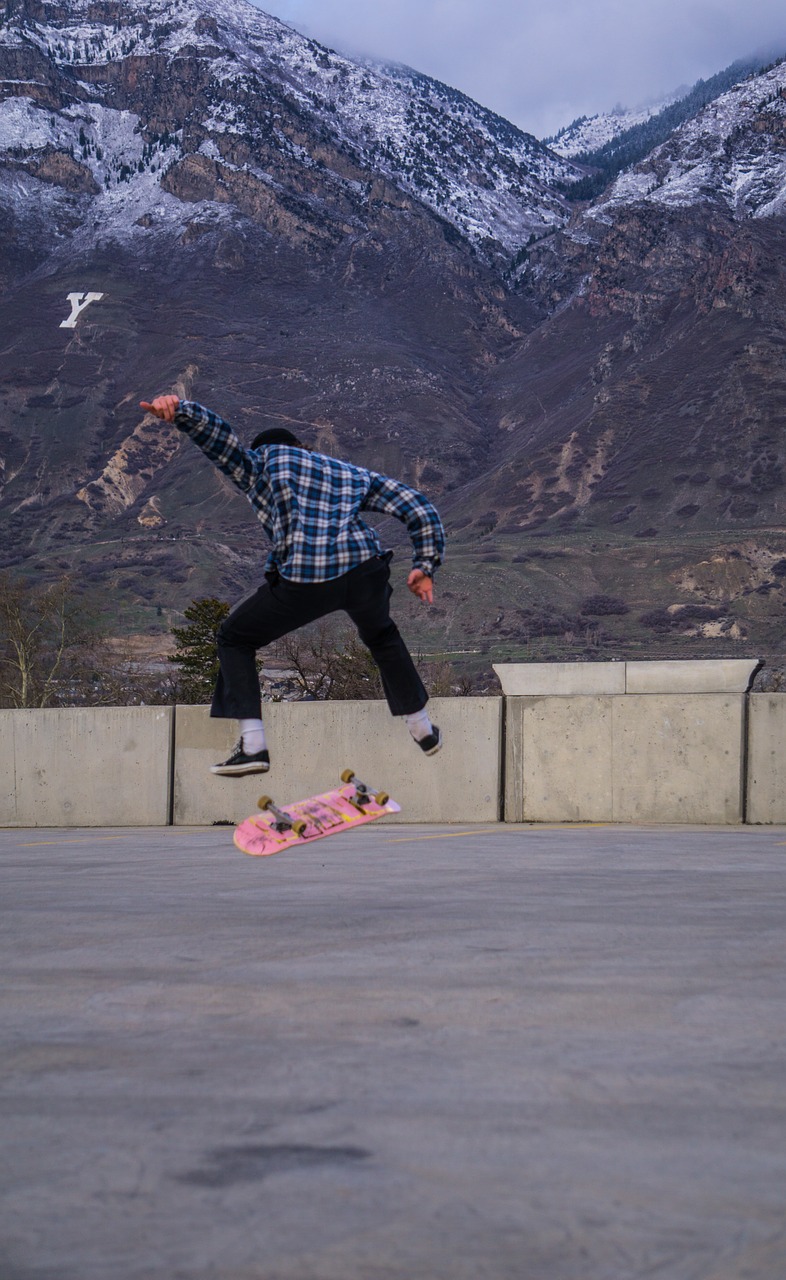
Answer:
(324, 558)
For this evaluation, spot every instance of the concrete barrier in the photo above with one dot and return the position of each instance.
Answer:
(560, 679)
(571, 679)
(678, 759)
(766, 755)
(311, 742)
(85, 767)
(700, 675)
(647, 757)
(635, 758)
(558, 759)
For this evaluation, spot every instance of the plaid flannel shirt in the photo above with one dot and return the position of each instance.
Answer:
(309, 504)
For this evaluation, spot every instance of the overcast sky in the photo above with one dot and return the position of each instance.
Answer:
(542, 63)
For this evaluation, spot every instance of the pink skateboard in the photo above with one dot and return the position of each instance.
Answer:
(306, 820)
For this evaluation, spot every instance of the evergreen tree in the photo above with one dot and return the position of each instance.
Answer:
(197, 652)
(632, 145)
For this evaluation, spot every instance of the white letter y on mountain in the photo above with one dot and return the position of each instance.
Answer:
(78, 303)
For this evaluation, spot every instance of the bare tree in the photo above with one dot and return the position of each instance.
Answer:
(357, 675)
(327, 662)
(113, 674)
(438, 677)
(44, 632)
(54, 652)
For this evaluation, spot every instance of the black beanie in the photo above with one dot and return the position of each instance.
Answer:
(274, 435)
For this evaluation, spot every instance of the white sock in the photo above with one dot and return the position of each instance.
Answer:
(419, 724)
(253, 734)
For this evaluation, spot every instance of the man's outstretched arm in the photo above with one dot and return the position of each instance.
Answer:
(423, 525)
(211, 433)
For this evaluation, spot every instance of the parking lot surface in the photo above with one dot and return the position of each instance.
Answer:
(402, 1053)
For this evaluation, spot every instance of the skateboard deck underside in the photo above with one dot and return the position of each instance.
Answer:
(324, 815)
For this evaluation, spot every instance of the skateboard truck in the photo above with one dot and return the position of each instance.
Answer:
(283, 821)
(364, 792)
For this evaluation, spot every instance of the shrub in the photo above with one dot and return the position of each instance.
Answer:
(657, 620)
(740, 509)
(484, 524)
(542, 621)
(599, 606)
(662, 620)
(621, 516)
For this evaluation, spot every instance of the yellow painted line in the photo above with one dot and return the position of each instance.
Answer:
(502, 829)
(560, 826)
(448, 835)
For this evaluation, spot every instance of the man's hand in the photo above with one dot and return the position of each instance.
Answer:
(421, 586)
(163, 407)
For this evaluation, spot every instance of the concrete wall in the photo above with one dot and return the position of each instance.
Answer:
(766, 757)
(635, 758)
(85, 766)
(663, 675)
(312, 742)
(649, 757)
(660, 741)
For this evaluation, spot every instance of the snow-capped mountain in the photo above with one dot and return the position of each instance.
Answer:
(195, 197)
(732, 154)
(133, 104)
(589, 133)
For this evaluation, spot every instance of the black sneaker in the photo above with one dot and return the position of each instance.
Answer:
(432, 743)
(239, 763)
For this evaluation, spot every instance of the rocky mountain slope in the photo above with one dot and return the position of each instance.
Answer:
(220, 103)
(588, 134)
(644, 415)
(195, 197)
(617, 140)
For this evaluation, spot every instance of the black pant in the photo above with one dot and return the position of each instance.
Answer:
(280, 606)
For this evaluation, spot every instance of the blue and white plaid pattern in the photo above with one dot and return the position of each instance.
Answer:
(308, 503)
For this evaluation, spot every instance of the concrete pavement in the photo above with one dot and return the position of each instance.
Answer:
(403, 1053)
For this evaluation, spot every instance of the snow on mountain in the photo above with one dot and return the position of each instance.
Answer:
(591, 132)
(732, 153)
(495, 184)
(157, 112)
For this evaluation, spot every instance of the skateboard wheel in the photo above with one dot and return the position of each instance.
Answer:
(382, 797)
(264, 802)
(347, 775)
(299, 827)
